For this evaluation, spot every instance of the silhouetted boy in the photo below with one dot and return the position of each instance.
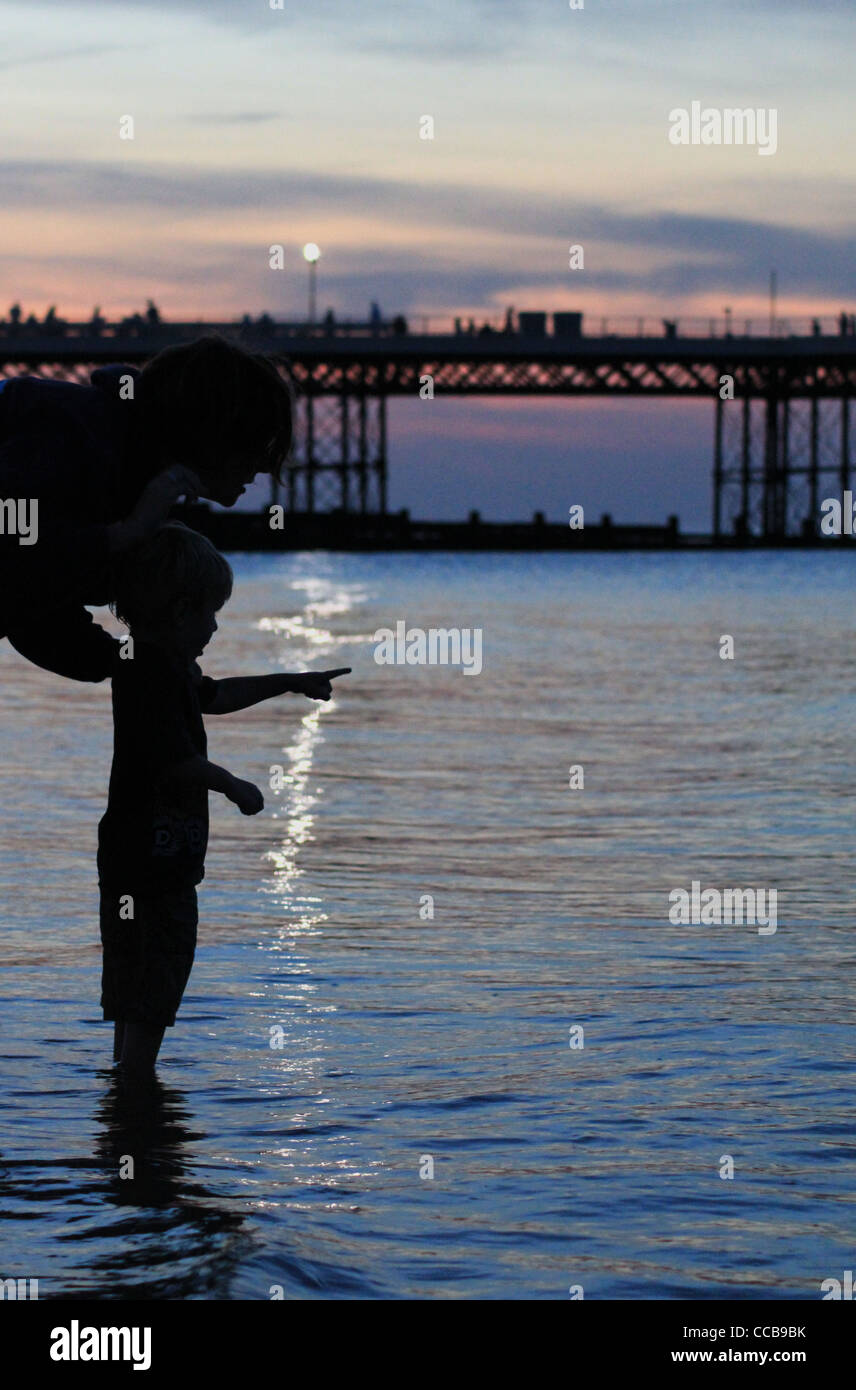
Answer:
(153, 837)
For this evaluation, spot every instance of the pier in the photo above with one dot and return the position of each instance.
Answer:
(780, 399)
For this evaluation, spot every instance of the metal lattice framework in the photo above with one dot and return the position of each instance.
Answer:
(782, 440)
(780, 446)
(339, 454)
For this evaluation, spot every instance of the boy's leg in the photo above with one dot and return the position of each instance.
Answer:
(118, 1038)
(166, 926)
(140, 1048)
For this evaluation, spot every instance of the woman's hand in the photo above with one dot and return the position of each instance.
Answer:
(153, 506)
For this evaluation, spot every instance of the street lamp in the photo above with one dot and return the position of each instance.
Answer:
(311, 252)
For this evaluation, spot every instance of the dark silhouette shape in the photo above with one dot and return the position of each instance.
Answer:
(53, 326)
(159, 1199)
(95, 458)
(134, 325)
(153, 836)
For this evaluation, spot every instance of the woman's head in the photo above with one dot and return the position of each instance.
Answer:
(224, 412)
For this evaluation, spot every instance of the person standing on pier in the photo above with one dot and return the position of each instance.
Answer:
(96, 469)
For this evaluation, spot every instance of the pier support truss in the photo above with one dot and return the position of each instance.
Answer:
(777, 456)
(340, 458)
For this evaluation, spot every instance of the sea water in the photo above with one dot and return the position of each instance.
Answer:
(442, 1039)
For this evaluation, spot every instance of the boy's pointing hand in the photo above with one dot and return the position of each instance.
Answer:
(315, 685)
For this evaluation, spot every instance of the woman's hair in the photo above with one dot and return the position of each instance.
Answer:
(211, 399)
(175, 563)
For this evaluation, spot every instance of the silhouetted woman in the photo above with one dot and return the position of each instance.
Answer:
(104, 464)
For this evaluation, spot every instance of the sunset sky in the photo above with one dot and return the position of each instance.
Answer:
(255, 126)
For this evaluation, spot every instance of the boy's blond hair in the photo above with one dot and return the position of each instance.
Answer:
(174, 563)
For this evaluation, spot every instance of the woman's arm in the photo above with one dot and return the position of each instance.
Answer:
(69, 643)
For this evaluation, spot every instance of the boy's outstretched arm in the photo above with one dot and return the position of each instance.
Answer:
(198, 771)
(240, 692)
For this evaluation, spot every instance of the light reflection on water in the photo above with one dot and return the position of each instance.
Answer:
(298, 1165)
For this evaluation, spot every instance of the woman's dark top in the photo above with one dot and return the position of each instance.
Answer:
(76, 450)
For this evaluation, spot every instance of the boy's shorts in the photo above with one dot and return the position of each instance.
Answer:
(147, 957)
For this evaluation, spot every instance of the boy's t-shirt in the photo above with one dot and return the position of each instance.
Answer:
(154, 834)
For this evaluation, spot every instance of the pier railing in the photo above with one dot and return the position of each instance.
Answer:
(528, 325)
